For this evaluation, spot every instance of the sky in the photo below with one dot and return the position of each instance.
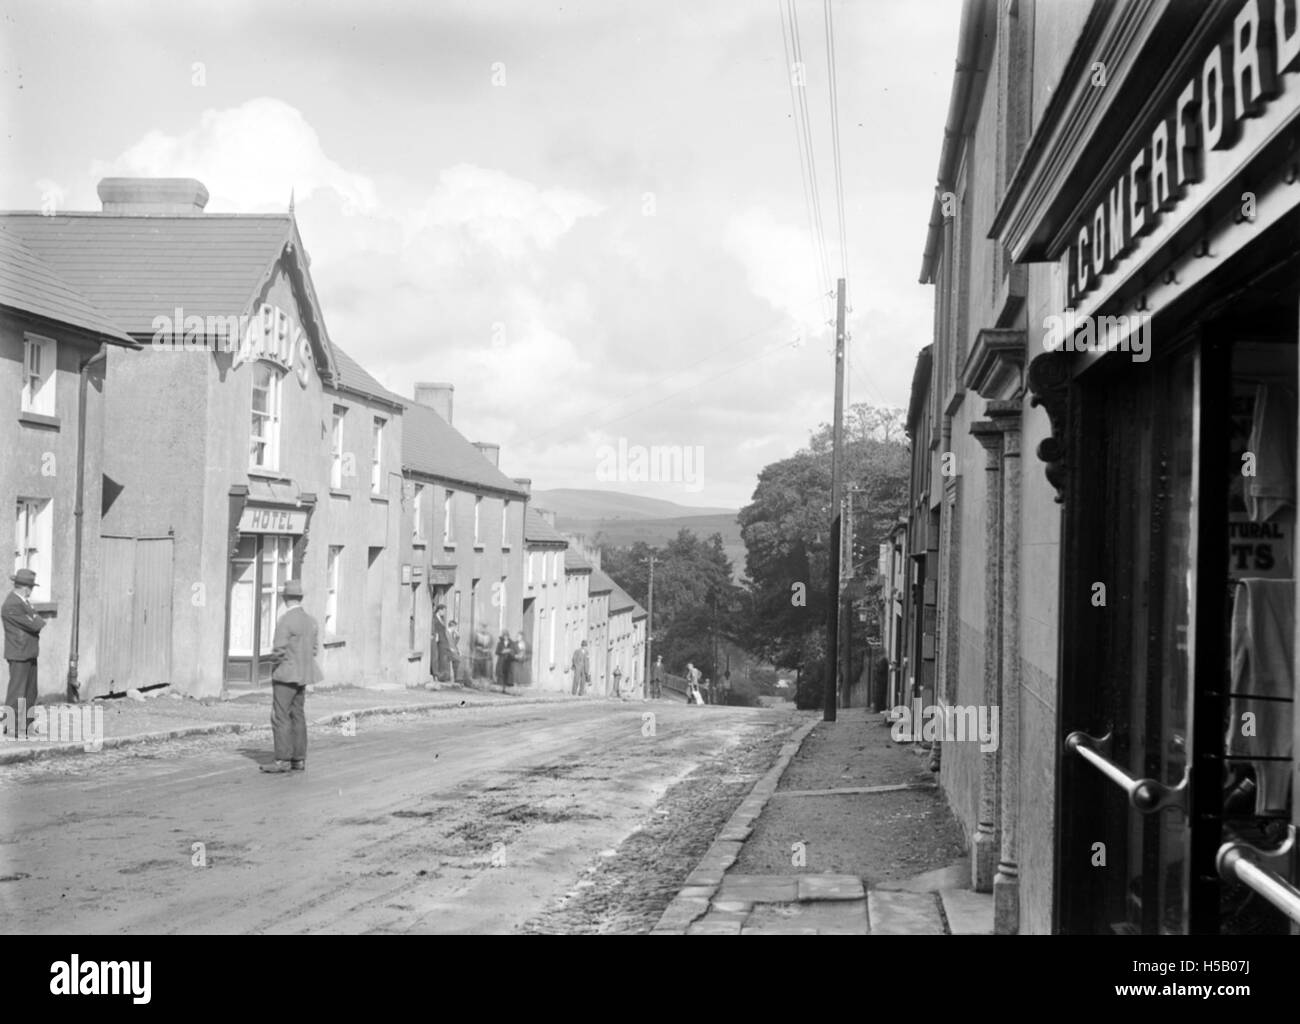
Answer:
(589, 217)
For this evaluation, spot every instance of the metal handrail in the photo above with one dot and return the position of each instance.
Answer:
(1146, 795)
(1240, 862)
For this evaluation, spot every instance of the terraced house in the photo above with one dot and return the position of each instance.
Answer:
(53, 353)
(1102, 532)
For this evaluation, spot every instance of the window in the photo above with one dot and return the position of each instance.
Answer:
(40, 361)
(264, 446)
(336, 447)
(505, 524)
(277, 570)
(532, 557)
(447, 537)
(555, 567)
(332, 589)
(377, 457)
(501, 614)
(478, 509)
(33, 540)
(417, 512)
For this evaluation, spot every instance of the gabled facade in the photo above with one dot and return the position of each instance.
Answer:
(217, 471)
(577, 609)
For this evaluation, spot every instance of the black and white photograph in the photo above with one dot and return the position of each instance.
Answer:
(647, 467)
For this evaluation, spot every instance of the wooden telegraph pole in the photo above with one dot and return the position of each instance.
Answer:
(837, 496)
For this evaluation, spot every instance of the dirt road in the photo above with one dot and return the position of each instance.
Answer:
(474, 820)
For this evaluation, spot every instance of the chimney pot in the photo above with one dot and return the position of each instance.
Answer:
(492, 452)
(437, 395)
(161, 196)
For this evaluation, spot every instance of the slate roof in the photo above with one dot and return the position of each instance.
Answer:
(620, 600)
(433, 447)
(136, 267)
(352, 376)
(538, 531)
(29, 284)
(601, 584)
(574, 562)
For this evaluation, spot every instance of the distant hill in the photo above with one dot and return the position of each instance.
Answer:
(623, 533)
(573, 503)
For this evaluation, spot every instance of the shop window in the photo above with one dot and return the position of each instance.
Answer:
(33, 540)
(332, 561)
(336, 447)
(40, 361)
(264, 444)
(377, 456)
(277, 570)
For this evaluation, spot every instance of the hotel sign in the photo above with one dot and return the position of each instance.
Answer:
(275, 336)
(1235, 80)
(273, 520)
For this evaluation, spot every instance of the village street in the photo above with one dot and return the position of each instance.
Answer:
(576, 817)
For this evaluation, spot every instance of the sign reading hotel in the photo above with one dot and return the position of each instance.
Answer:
(1236, 80)
(273, 520)
(276, 337)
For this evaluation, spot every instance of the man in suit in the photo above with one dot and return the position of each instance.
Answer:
(22, 628)
(581, 671)
(293, 650)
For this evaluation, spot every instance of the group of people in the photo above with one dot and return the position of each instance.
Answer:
(580, 666)
(703, 691)
(509, 663)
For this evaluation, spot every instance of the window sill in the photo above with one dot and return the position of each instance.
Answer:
(415, 656)
(420, 545)
(448, 545)
(337, 493)
(334, 641)
(36, 419)
(269, 474)
(378, 499)
(478, 547)
(45, 607)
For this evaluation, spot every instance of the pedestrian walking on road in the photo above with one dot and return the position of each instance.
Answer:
(453, 636)
(726, 687)
(693, 695)
(293, 650)
(22, 628)
(581, 671)
(616, 683)
(657, 679)
(504, 648)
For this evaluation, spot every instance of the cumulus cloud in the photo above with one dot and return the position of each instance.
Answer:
(250, 157)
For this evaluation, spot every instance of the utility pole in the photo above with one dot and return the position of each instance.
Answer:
(833, 589)
(650, 628)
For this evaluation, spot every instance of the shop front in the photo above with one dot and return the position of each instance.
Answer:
(267, 552)
(1167, 364)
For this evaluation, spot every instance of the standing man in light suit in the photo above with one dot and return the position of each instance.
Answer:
(22, 628)
(294, 649)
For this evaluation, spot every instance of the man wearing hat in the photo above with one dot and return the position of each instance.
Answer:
(22, 645)
(293, 650)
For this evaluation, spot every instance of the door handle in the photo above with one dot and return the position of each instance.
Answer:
(1239, 861)
(1147, 795)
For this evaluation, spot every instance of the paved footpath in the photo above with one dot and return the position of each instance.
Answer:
(866, 839)
(163, 715)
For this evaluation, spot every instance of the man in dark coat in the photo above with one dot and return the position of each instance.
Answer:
(504, 650)
(22, 628)
(521, 662)
(657, 678)
(294, 649)
(440, 664)
(581, 671)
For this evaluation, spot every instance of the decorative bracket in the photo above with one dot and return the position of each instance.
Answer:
(1049, 382)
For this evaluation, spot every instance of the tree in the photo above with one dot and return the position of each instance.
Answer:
(786, 529)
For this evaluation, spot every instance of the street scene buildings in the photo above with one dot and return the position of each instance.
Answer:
(998, 637)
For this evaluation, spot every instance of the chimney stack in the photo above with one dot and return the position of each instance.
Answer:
(546, 513)
(165, 196)
(492, 452)
(437, 396)
(525, 482)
